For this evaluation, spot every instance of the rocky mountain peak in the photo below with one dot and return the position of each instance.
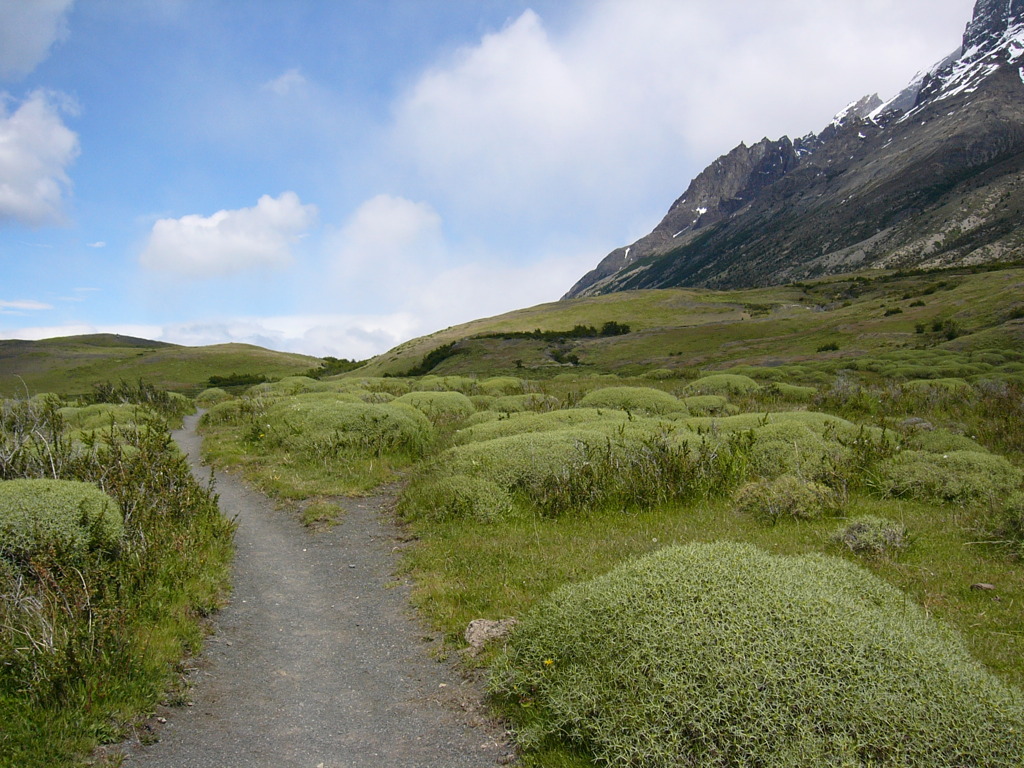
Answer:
(992, 18)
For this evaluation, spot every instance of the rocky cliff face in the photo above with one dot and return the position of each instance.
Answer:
(934, 176)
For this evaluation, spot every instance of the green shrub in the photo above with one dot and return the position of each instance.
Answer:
(723, 384)
(497, 386)
(454, 496)
(324, 428)
(60, 520)
(480, 428)
(706, 405)
(661, 374)
(212, 396)
(722, 655)
(520, 403)
(942, 441)
(440, 407)
(791, 446)
(958, 476)
(298, 385)
(786, 497)
(871, 535)
(790, 392)
(643, 400)
(102, 415)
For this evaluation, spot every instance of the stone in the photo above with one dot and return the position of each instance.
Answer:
(482, 631)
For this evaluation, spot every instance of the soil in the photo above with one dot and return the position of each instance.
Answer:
(318, 660)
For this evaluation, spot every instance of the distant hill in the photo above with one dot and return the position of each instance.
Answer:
(933, 177)
(839, 319)
(72, 364)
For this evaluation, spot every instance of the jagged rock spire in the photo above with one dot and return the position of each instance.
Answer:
(991, 19)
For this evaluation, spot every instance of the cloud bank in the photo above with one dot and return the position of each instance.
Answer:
(229, 242)
(28, 29)
(36, 148)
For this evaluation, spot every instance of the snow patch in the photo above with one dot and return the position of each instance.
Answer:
(701, 211)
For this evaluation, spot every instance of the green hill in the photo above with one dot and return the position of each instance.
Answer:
(72, 364)
(833, 320)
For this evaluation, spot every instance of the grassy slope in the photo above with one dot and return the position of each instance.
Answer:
(71, 365)
(679, 328)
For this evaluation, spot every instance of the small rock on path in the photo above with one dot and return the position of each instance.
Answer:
(317, 661)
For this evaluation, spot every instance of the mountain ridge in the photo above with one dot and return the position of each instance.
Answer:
(928, 178)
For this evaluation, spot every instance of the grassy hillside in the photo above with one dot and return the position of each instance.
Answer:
(838, 319)
(71, 365)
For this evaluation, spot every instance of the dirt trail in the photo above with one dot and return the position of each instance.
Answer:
(317, 661)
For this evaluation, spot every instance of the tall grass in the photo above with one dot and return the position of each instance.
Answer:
(91, 643)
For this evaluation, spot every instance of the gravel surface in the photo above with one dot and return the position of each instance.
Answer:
(318, 661)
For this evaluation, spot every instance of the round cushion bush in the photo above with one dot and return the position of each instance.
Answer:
(958, 476)
(325, 422)
(723, 384)
(497, 386)
(63, 519)
(643, 400)
(454, 496)
(702, 405)
(785, 497)
(721, 655)
(871, 535)
(212, 396)
(440, 407)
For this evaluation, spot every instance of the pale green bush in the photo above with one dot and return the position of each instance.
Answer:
(440, 407)
(298, 385)
(525, 422)
(463, 384)
(706, 405)
(871, 535)
(483, 402)
(60, 520)
(791, 392)
(790, 446)
(454, 496)
(786, 497)
(722, 655)
(529, 402)
(723, 384)
(958, 476)
(227, 412)
(942, 441)
(497, 386)
(102, 414)
(642, 400)
(326, 428)
(212, 396)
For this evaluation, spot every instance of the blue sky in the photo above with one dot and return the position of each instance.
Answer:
(334, 177)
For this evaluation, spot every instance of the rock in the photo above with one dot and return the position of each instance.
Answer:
(482, 631)
(916, 423)
(983, 587)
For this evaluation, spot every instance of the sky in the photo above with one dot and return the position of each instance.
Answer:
(334, 177)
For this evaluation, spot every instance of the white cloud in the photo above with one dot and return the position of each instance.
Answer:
(19, 307)
(289, 82)
(388, 241)
(36, 149)
(559, 127)
(28, 28)
(97, 244)
(229, 242)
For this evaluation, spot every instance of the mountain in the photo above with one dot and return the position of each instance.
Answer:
(933, 177)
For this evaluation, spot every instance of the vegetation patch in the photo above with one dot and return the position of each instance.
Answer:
(958, 476)
(440, 407)
(872, 536)
(786, 497)
(642, 400)
(686, 657)
(723, 384)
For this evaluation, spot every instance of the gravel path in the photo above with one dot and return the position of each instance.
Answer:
(317, 662)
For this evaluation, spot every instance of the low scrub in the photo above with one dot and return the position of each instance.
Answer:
(326, 428)
(212, 396)
(723, 384)
(57, 522)
(963, 477)
(872, 536)
(440, 407)
(724, 655)
(641, 400)
(786, 497)
(455, 496)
